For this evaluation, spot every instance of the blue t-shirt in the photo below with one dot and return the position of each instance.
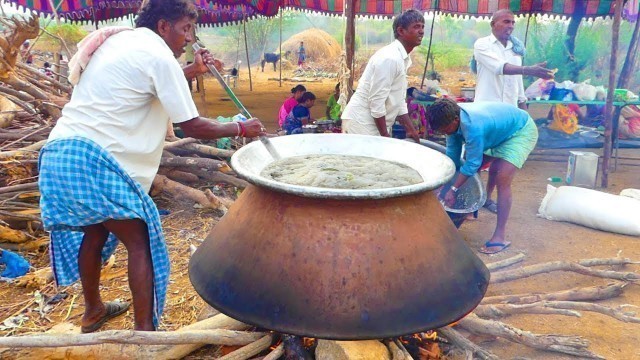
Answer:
(483, 126)
(293, 121)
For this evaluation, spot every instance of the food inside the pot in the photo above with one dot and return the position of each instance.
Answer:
(341, 172)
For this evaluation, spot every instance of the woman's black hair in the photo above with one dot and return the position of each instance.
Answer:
(152, 11)
(306, 96)
(297, 88)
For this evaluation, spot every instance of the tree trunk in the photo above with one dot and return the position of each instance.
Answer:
(630, 59)
(570, 44)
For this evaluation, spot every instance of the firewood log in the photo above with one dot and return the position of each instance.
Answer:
(205, 198)
(8, 234)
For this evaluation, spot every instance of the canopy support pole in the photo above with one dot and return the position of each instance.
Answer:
(246, 49)
(609, 118)
(526, 32)
(349, 41)
(424, 73)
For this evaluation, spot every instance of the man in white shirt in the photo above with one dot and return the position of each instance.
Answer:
(498, 59)
(379, 99)
(102, 155)
(499, 63)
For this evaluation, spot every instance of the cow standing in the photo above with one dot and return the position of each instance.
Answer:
(270, 58)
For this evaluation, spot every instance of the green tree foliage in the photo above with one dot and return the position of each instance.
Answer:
(592, 53)
(70, 33)
(451, 56)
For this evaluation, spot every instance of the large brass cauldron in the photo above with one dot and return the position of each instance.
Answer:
(339, 264)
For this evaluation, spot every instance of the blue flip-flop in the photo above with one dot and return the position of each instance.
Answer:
(489, 244)
(491, 206)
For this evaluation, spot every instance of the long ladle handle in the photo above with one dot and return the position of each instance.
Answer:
(265, 140)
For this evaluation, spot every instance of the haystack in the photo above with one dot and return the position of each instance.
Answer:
(318, 45)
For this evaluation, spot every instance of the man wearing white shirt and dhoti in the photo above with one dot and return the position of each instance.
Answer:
(498, 63)
(102, 156)
(379, 99)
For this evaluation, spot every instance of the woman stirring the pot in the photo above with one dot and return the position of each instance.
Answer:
(300, 115)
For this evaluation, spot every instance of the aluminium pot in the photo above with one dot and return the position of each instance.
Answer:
(339, 263)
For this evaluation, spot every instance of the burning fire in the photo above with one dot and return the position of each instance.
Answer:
(421, 346)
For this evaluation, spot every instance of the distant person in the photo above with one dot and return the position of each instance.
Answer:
(302, 54)
(333, 108)
(300, 115)
(492, 132)
(380, 98)
(498, 63)
(26, 54)
(46, 69)
(290, 103)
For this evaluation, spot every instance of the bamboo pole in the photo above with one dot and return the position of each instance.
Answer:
(246, 49)
(608, 123)
(349, 41)
(424, 73)
(55, 14)
(280, 51)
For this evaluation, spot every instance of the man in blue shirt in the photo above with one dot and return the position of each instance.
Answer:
(495, 133)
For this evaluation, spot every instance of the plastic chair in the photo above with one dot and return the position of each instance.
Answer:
(232, 76)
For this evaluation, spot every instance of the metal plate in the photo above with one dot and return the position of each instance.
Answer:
(435, 168)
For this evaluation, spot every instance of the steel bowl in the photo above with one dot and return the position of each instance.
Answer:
(471, 195)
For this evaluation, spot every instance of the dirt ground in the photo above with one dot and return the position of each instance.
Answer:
(539, 239)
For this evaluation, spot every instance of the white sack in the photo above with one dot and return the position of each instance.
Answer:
(585, 91)
(591, 208)
(632, 193)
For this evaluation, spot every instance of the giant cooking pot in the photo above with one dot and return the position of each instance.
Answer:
(337, 263)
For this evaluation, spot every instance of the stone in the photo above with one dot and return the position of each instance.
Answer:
(352, 350)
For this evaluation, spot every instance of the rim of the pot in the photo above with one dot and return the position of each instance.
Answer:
(434, 167)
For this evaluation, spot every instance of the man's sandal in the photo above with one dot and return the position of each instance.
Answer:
(491, 206)
(113, 309)
(486, 249)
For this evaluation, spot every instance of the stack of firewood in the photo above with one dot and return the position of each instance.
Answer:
(30, 104)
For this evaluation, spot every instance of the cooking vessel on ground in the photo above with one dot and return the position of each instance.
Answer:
(339, 263)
